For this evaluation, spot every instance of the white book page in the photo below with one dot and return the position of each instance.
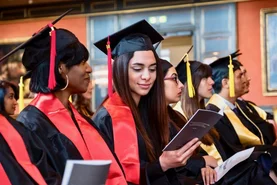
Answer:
(232, 161)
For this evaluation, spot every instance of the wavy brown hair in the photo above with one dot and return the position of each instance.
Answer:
(82, 105)
(191, 105)
(150, 115)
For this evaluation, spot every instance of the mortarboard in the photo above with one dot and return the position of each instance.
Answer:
(138, 37)
(225, 65)
(184, 70)
(44, 33)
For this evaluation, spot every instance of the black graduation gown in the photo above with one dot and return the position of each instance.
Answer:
(251, 171)
(231, 144)
(16, 174)
(151, 172)
(247, 172)
(57, 146)
(266, 128)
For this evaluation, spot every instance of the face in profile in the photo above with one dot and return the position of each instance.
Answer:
(240, 83)
(247, 80)
(79, 77)
(10, 101)
(173, 86)
(205, 88)
(142, 72)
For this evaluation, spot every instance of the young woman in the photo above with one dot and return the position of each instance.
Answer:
(196, 165)
(59, 126)
(22, 159)
(82, 102)
(247, 172)
(134, 117)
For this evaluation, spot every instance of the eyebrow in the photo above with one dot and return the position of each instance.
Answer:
(175, 74)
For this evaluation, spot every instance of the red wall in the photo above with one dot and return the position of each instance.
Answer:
(248, 32)
(25, 28)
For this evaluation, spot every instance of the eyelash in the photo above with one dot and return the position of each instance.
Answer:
(137, 70)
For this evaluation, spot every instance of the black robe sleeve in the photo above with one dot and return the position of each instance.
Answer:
(151, 173)
(57, 146)
(37, 155)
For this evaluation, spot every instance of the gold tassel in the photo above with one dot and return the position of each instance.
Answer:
(21, 94)
(231, 78)
(70, 99)
(191, 90)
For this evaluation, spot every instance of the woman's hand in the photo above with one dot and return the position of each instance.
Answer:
(208, 175)
(177, 158)
(210, 161)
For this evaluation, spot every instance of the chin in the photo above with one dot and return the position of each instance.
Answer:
(143, 92)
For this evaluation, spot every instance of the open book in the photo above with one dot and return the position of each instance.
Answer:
(84, 172)
(232, 161)
(197, 126)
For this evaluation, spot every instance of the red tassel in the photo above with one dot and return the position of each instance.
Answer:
(110, 75)
(52, 78)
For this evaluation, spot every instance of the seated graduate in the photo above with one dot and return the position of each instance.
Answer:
(134, 117)
(22, 160)
(196, 165)
(248, 110)
(63, 131)
(247, 172)
(237, 130)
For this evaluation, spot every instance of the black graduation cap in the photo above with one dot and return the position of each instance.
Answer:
(181, 69)
(46, 29)
(138, 37)
(165, 65)
(184, 69)
(226, 65)
(43, 45)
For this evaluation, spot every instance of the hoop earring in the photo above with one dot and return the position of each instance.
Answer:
(67, 82)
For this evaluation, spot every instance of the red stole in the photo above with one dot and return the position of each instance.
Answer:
(91, 146)
(125, 137)
(18, 148)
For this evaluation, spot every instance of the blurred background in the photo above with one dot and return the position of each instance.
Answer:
(215, 28)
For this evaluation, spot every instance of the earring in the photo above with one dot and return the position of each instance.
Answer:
(67, 82)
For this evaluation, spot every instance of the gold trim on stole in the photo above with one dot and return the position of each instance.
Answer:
(260, 132)
(260, 111)
(246, 137)
(212, 151)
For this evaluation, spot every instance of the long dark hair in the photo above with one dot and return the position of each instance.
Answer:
(82, 105)
(4, 85)
(150, 116)
(191, 105)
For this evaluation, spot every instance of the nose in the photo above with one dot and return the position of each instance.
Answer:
(211, 81)
(15, 102)
(145, 74)
(88, 68)
(180, 84)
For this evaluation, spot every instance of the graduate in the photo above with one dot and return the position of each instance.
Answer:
(197, 165)
(134, 116)
(248, 110)
(22, 159)
(56, 62)
(239, 131)
(247, 172)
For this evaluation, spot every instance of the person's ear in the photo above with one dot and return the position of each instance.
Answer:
(62, 69)
(225, 83)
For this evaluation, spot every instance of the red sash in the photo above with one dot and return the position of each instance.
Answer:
(3, 176)
(19, 151)
(125, 137)
(92, 146)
